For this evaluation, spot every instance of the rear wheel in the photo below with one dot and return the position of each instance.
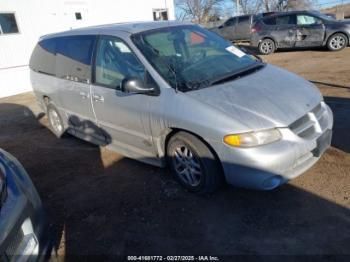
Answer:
(267, 46)
(55, 120)
(193, 164)
(337, 42)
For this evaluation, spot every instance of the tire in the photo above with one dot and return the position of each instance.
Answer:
(193, 164)
(55, 120)
(267, 46)
(337, 42)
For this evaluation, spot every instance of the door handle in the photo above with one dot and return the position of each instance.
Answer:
(98, 98)
(84, 95)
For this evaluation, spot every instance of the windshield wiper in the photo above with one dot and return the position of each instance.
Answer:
(237, 74)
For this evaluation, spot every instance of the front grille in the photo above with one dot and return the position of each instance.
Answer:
(311, 124)
(14, 244)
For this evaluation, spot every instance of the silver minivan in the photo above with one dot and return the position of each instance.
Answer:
(177, 94)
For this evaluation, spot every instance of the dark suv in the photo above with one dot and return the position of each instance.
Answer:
(238, 27)
(299, 29)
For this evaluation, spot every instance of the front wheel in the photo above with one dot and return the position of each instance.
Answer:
(337, 42)
(193, 164)
(267, 46)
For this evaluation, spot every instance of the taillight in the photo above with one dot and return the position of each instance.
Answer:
(256, 28)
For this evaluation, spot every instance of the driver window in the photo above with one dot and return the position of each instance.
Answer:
(307, 20)
(114, 62)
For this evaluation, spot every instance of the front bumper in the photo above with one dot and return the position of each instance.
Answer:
(23, 234)
(269, 166)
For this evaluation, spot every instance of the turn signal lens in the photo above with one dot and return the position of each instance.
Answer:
(253, 139)
(233, 140)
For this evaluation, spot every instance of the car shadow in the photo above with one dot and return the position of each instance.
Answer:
(329, 84)
(102, 205)
(254, 50)
(341, 112)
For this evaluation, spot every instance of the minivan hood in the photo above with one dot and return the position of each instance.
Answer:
(270, 97)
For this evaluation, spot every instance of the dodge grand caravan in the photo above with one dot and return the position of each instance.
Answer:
(177, 94)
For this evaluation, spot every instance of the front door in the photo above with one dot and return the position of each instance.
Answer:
(124, 118)
(310, 31)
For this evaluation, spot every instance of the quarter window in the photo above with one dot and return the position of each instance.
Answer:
(307, 20)
(115, 62)
(8, 24)
(230, 22)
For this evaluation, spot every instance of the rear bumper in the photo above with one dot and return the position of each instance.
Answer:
(267, 167)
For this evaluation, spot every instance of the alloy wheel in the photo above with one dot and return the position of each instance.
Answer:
(55, 121)
(266, 47)
(187, 166)
(337, 42)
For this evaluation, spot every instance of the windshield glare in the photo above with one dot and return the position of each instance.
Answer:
(190, 57)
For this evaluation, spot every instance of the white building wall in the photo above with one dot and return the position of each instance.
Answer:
(39, 17)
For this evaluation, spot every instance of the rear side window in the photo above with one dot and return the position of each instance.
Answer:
(285, 20)
(43, 59)
(243, 19)
(74, 55)
(269, 20)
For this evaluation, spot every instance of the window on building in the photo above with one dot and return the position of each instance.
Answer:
(8, 24)
(160, 14)
(78, 16)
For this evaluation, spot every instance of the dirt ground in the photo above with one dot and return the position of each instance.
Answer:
(99, 202)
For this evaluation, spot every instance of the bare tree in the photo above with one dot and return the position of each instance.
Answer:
(255, 6)
(199, 11)
(285, 5)
(248, 6)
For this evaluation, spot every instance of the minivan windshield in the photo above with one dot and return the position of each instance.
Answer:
(189, 57)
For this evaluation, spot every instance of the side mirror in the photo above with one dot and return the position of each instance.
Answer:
(134, 85)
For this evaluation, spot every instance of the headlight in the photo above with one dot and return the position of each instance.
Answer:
(253, 139)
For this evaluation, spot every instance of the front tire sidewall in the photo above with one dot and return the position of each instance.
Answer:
(211, 178)
(172, 147)
(57, 133)
(329, 46)
(273, 47)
